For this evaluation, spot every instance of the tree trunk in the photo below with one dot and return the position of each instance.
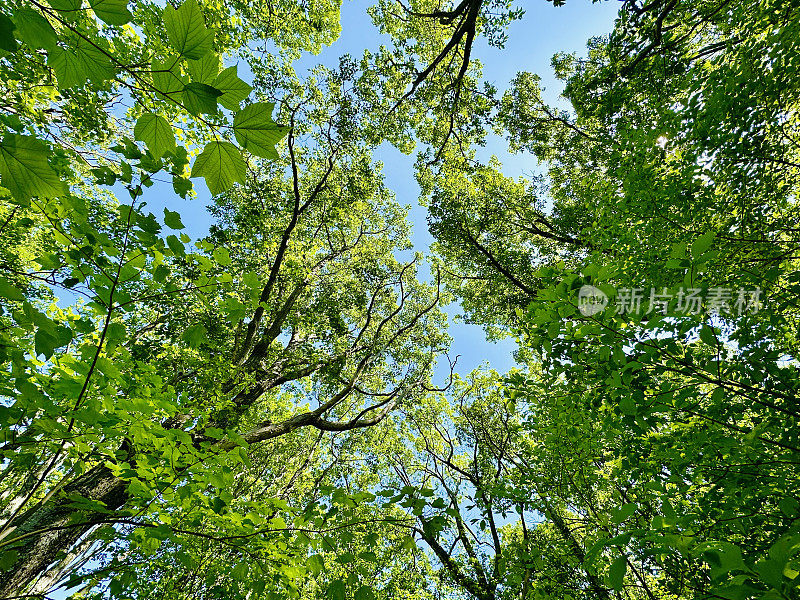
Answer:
(50, 529)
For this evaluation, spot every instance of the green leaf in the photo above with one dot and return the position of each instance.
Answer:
(186, 30)
(45, 343)
(160, 274)
(622, 513)
(677, 263)
(35, 30)
(7, 559)
(80, 63)
(195, 335)
(49, 261)
(172, 219)
(116, 332)
(727, 556)
(63, 335)
(113, 12)
(65, 5)
(115, 588)
(49, 337)
(616, 573)
(256, 131)
(233, 89)
(167, 78)
(315, 564)
(364, 593)
(181, 185)
(7, 40)
(337, 590)
(206, 69)
(24, 169)
(408, 543)
(627, 405)
(200, 98)
(701, 244)
(707, 335)
(738, 592)
(789, 506)
(175, 245)
(9, 292)
(667, 508)
(770, 572)
(28, 389)
(222, 256)
(240, 571)
(221, 164)
(156, 132)
(345, 558)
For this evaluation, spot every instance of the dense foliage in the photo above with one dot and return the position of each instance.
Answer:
(253, 410)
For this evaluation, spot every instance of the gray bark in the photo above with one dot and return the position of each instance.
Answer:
(49, 529)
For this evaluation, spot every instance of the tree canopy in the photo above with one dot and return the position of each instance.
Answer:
(270, 408)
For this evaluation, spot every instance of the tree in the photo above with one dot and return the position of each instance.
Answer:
(676, 172)
(128, 412)
(252, 412)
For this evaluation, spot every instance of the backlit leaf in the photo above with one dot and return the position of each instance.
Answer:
(9, 292)
(65, 6)
(167, 78)
(200, 98)
(703, 243)
(221, 165)
(616, 573)
(113, 12)
(337, 590)
(206, 69)
(622, 513)
(233, 89)
(364, 593)
(34, 29)
(186, 30)
(156, 132)
(80, 63)
(256, 131)
(24, 169)
(195, 335)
